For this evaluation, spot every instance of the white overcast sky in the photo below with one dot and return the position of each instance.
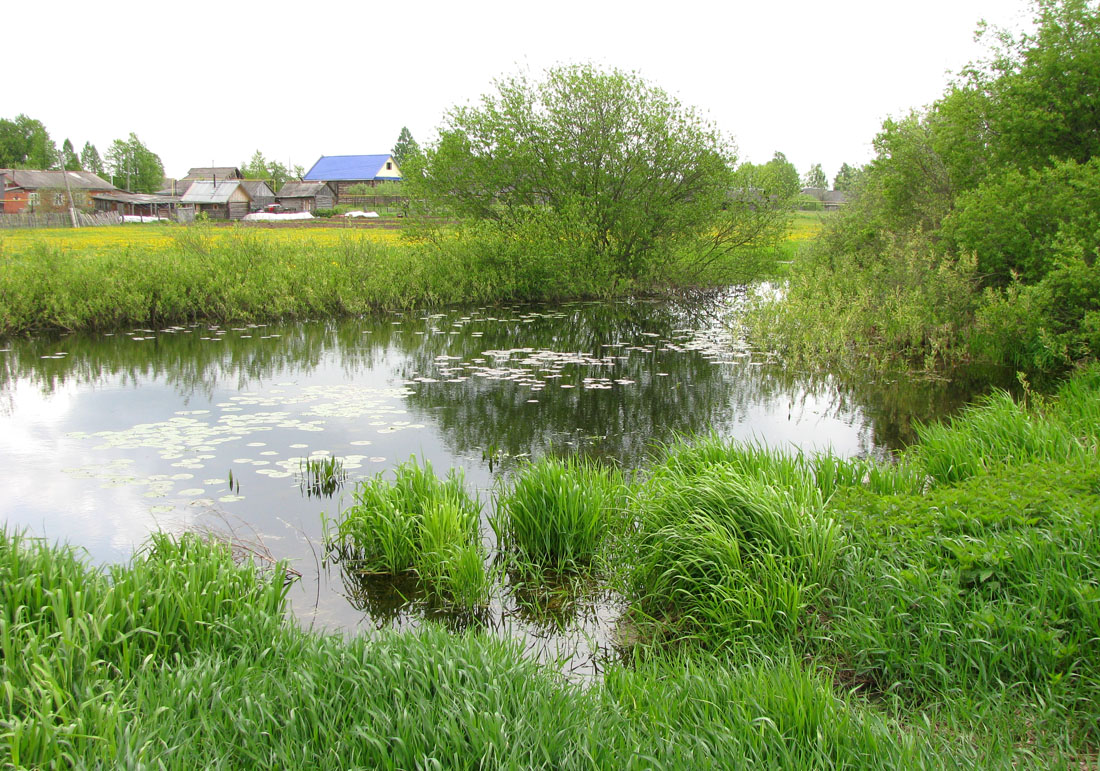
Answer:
(210, 82)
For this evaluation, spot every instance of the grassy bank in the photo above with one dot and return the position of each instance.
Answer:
(784, 611)
(108, 278)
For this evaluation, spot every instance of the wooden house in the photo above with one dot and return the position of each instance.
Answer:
(306, 196)
(218, 200)
(343, 171)
(48, 191)
(261, 194)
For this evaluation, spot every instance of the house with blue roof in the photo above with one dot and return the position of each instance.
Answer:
(343, 171)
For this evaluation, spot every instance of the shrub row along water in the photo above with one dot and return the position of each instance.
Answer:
(790, 611)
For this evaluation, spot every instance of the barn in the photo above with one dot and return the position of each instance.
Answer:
(306, 196)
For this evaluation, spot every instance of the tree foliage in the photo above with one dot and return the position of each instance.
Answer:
(405, 147)
(90, 160)
(272, 172)
(999, 178)
(815, 177)
(70, 161)
(847, 178)
(611, 164)
(25, 144)
(134, 166)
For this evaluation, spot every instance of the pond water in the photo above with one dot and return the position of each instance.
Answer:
(104, 438)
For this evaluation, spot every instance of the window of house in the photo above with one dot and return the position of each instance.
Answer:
(389, 165)
(58, 199)
(32, 199)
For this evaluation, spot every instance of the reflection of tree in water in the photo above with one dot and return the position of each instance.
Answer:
(675, 391)
(694, 395)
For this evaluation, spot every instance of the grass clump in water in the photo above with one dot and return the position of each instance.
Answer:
(420, 523)
(558, 513)
(321, 477)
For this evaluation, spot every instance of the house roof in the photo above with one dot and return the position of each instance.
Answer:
(301, 189)
(205, 191)
(257, 188)
(346, 168)
(213, 172)
(37, 180)
(118, 196)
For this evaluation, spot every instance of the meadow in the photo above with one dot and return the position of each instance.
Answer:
(161, 275)
(790, 611)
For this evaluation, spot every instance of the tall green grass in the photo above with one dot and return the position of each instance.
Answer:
(142, 666)
(722, 557)
(418, 522)
(559, 513)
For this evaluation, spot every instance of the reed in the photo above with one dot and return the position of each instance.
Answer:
(417, 522)
(557, 513)
(321, 477)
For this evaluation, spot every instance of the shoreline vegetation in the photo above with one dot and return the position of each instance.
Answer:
(783, 611)
(161, 275)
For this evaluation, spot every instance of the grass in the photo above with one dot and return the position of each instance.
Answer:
(161, 275)
(558, 513)
(416, 523)
(182, 660)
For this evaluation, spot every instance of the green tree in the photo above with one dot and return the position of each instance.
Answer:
(272, 172)
(783, 176)
(25, 144)
(847, 178)
(133, 166)
(405, 147)
(621, 169)
(90, 160)
(815, 177)
(69, 159)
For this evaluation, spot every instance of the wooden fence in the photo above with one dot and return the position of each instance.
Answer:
(59, 219)
(374, 201)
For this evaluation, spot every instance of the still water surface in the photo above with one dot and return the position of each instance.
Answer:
(104, 438)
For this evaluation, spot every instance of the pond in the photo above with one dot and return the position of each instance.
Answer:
(107, 437)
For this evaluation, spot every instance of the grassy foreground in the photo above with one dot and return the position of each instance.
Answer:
(790, 612)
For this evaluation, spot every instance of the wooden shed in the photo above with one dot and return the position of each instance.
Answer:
(306, 196)
(219, 200)
(262, 196)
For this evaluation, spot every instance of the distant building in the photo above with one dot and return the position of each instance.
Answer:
(227, 200)
(216, 173)
(46, 191)
(306, 196)
(830, 199)
(344, 171)
(141, 204)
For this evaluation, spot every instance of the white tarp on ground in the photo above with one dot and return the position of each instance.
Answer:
(138, 218)
(288, 215)
(371, 214)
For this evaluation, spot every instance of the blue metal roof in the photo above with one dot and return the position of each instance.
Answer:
(331, 168)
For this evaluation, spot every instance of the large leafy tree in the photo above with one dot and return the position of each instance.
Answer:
(134, 166)
(624, 170)
(25, 144)
(405, 147)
